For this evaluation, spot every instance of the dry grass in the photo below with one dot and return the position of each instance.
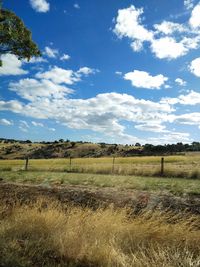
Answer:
(175, 166)
(50, 235)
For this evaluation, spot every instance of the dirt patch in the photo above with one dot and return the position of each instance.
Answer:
(94, 197)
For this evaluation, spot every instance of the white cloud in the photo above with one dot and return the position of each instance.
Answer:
(12, 105)
(189, 4)
(59, 75)
(195, 17)
(151, 127)
(40, 5)
(195, 67)
(172, 137)
(180, 82)
(143, 79)
(76, 6)
(50, 52)
(65, 57)
(192, 98)
(37, 124)
(23, 126)
(86, 71)
(52, 129)
(118, 73)
(128, 24)
(189, 118)
(102, 113)
(137, 45)
(167, 47)
(5, 122)
(32, 89)
(169, 40)
(11, 65)
(168, 27)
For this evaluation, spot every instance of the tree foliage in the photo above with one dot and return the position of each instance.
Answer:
(15, 38)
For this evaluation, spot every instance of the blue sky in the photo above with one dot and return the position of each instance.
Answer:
(111, 71)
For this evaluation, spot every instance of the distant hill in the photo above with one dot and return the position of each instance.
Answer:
(16, 149)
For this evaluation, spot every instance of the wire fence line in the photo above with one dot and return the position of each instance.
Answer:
(152, 166)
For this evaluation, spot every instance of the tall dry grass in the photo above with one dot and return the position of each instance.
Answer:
(44, 234)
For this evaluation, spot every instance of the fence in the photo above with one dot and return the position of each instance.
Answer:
(178, 166)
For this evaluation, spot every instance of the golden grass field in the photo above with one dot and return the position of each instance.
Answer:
(187, 166)
(46, 234)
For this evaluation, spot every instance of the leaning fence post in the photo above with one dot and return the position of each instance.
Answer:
(162, 167)
(113, 164)
(26, 164)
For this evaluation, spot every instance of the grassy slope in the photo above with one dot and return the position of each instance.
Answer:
(176, 186)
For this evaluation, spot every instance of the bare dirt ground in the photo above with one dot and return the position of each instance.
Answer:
(94, 197)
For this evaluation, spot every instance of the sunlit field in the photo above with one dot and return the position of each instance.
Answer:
(46, 234)
(186, 166)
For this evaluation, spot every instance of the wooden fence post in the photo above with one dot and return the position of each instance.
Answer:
(162, 167)
(70, 164)
(113, 164)
(26, 164)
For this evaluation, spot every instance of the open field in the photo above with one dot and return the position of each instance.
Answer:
(187, 166)
(48, 234)
(177, 186)
(89, 214)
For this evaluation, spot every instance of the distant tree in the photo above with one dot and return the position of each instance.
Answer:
(73, 144)
(61, 140)
(15, 38)
(103, 145)
(137, 144)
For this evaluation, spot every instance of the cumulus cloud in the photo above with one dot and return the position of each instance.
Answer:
(169, 40)
(195, 67)
(50, 52)
(168, 27)
(102, 113)
(192, 98)
(129, 24)
(195, 17)
(167, 47)
(143, 79)
(40, 5)
(58, 75)
(12, 105)
(31, 89)
(5, 122)
(11, 65)
(180, 82)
